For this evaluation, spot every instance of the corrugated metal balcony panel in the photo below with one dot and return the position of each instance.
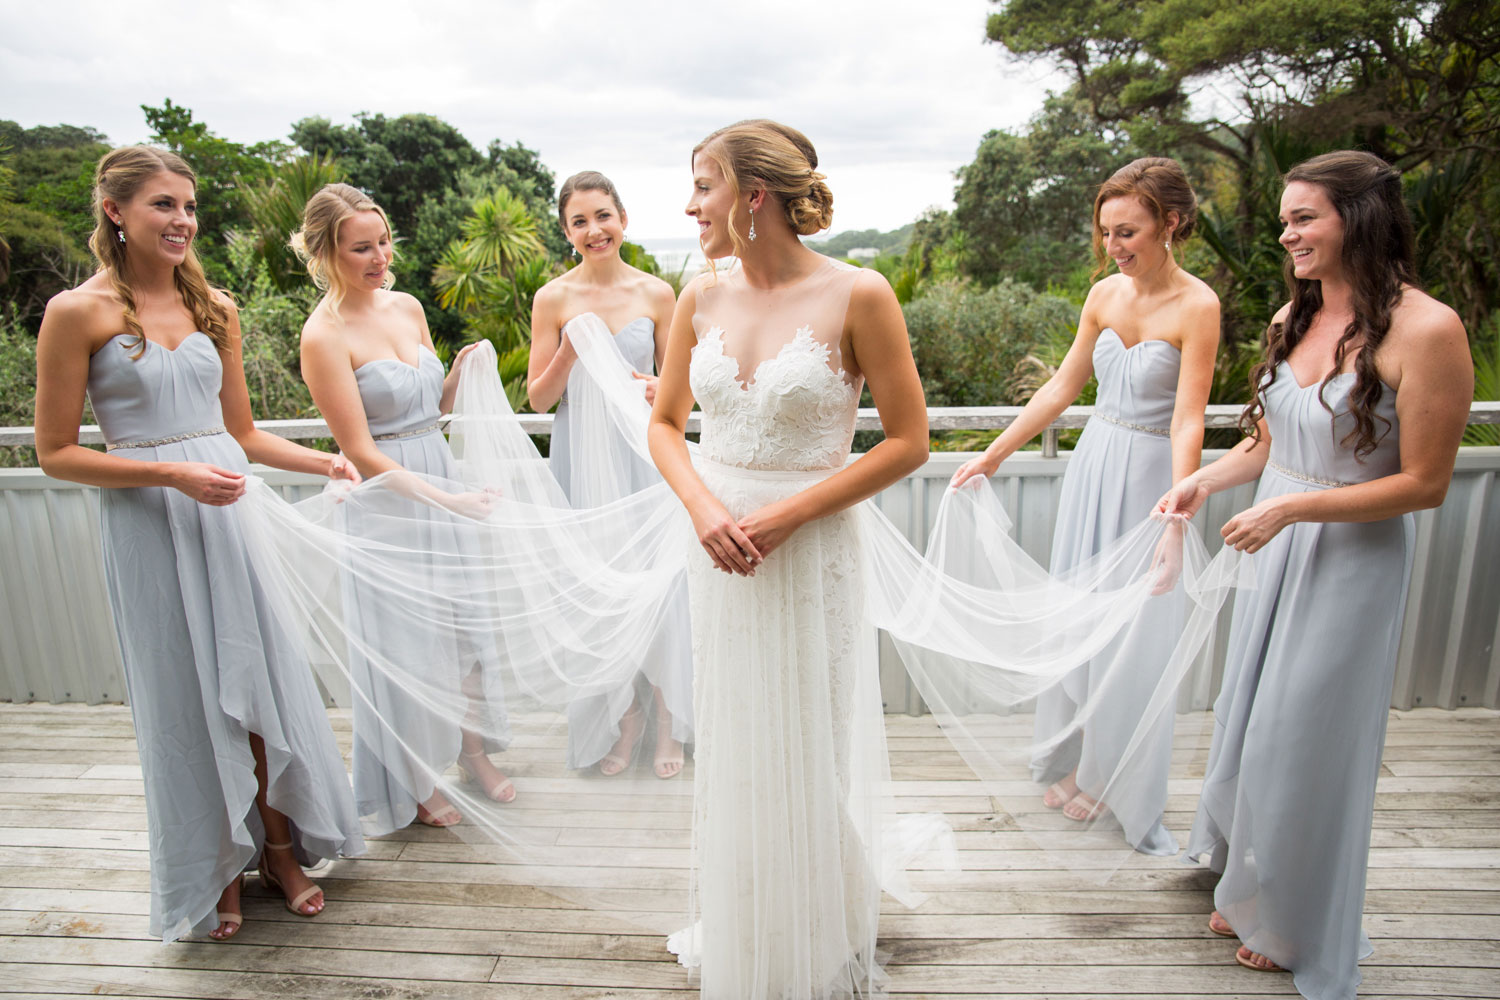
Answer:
(57, 641)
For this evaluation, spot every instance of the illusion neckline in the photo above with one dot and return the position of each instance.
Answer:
(716, 333)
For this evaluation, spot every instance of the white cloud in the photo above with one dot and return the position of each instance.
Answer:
(896, 95)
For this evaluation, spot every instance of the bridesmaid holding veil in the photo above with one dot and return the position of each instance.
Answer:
(239, 763)
(637, 309)
(1358, 410)
(1149, 333)
(368, 358)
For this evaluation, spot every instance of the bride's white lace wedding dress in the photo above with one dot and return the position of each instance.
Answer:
(786, 892)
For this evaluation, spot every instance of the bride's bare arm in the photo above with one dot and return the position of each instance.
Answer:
(876, 335)
(723, 540)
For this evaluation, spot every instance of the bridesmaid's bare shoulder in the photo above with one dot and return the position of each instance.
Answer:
(91, 312)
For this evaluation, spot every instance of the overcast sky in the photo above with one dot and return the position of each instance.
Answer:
(895, 94)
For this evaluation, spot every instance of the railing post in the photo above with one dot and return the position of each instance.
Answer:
(1049, 442)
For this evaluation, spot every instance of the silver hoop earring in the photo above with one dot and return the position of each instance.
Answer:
(752, 225)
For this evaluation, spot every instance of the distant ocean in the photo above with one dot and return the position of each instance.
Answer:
(676, 254)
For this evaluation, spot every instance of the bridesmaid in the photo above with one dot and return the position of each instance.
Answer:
(240, 765)
(367, 357)
(1150, 333)
(1359, 407)
(637, 306)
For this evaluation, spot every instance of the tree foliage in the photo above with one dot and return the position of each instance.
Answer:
(1023, 204)
(228, 172)
(1414, 81)
(969, 342)
(45, 213)
(484, 214)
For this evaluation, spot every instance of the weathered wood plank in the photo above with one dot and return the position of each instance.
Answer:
(181, 984)
(1012, 922)
(251, 958)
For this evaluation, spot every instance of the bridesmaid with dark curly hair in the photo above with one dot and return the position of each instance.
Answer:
(1358, 410)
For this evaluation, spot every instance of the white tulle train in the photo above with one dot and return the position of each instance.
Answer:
(792, 768)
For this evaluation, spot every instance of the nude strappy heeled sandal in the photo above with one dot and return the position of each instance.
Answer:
(293, 905)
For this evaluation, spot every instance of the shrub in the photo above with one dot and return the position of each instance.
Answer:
(969, 342)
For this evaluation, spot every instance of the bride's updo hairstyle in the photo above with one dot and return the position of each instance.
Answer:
(1159, 184)
(760, 153)
(119, 177)
(317, 242)
(585, 180)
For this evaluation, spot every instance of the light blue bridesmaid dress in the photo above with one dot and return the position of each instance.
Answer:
(594, 721)
(400, 745)
(1119, 470)
(1299, 724)
(206, 662)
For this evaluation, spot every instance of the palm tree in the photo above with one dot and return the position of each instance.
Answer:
(276, 206)
(490, 275)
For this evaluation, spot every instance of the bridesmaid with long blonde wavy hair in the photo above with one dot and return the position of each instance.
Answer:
(241, 769)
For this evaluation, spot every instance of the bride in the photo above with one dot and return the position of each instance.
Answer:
(775, 351)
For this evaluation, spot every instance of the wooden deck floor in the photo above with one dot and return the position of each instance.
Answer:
(73, 895)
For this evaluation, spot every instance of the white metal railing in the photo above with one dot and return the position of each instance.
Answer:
(939, 418)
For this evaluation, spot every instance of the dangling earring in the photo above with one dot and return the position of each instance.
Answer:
(120, 232)
(752, 225)
(575, 253)
(1168, 245)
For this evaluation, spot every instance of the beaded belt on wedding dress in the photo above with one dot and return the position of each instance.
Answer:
(1303, 477)
(1158, 431)
(158, 442)
(398, 435)
(770, 475)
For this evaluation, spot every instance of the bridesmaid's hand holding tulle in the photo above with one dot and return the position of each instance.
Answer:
(1166, 562)
(984, 465)
(725, 542)
(208, 483)
(650, 381)
(1184, 499)
(462, 356)
(340, 467)
(474, 505)
(1251, 529)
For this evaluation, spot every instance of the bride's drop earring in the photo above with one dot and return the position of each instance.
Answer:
(575, 253)
(752, 225)
(120, 232)
(1168, 246)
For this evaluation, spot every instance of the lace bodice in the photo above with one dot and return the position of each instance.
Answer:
(795, 408)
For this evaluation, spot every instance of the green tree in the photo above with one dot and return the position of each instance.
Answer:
(1414, 81)
(228, 172)
(45, 213)
(275, 206)
(489, 275)
(1024, 204)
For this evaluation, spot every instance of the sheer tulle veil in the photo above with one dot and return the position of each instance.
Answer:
(574, 598)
